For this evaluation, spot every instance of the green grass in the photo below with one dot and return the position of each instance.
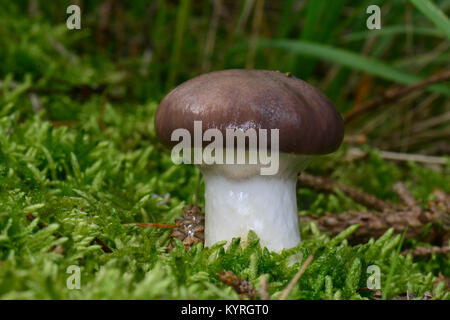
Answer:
(434, 14)
(349, 59)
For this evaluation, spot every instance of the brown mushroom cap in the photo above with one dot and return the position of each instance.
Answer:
(307, 120)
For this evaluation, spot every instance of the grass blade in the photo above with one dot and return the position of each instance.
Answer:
(182, 19)
(328, 14)
(393, 30)
(393, 266)
(434, 14)
(351, 60)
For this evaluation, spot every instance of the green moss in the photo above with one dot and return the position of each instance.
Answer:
(82, 183)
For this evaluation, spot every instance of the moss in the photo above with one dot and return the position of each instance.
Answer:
(82, 183)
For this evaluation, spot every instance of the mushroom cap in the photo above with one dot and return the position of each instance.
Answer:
(307, 120)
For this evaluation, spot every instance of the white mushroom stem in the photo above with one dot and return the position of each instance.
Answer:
(239, 199)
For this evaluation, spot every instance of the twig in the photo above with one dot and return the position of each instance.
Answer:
(189, 228)
(412, 157)
(421, 138)
(422, 252)
(357, 154)
(35, 102)
(431, 122)
(105, 248)
(263, 291)
(328, 185)
(406, 197)
(395, 94)
(295, 279)
(62, 50)
(374, 224)
(152, 225)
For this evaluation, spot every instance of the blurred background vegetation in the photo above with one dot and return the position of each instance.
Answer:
(137, 51)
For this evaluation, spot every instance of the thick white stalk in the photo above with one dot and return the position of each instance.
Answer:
(238, 199)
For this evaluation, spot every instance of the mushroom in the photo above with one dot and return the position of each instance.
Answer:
(238, 197)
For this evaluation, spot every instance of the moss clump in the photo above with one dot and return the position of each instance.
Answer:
(83, 183)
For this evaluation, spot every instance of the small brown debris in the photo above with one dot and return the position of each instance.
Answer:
(105, 248)
(31, 218)
(378, 294)
(243, 287)
(428, 295)
(59, 249)
(288, 74)
(190, 227)
(440, 278)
